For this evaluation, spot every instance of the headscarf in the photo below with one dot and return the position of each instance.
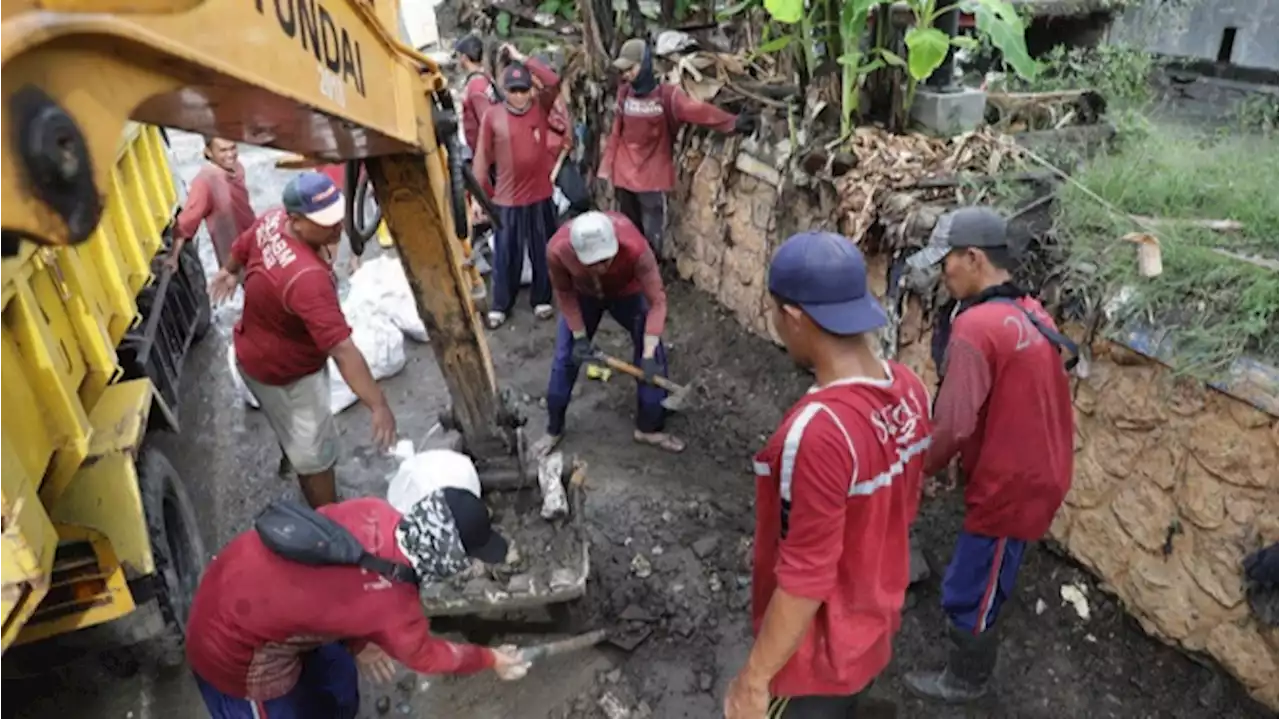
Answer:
(646, 81)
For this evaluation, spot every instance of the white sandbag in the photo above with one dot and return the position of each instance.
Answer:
(425, 472)
(242, 390)
(380, 286)
(383, 348)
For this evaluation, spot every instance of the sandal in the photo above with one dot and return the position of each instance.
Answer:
(661, 440)
(543, 312)
(496, 319)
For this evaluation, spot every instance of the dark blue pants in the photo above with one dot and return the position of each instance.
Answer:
(329, 688)
(525, 229)
(630, 312)
(979, 579)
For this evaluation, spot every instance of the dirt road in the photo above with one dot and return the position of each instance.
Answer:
(688, 518)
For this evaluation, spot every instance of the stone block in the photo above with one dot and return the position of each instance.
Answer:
(949, 113)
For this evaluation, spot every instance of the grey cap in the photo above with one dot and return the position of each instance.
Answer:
(979, 227)
(593, 238)
(631, 54)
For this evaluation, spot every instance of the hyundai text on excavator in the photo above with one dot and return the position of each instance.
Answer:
(98, 531)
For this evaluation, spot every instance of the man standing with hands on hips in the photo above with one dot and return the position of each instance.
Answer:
(837, 487)
(1004, 406)
(292, 324)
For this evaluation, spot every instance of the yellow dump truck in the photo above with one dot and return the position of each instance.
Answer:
(98, 530)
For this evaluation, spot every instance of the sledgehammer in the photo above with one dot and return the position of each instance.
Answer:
(677, 395)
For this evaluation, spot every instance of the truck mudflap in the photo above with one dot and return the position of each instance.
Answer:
(547, 563)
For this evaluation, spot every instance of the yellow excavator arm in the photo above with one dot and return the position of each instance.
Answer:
(327, 79)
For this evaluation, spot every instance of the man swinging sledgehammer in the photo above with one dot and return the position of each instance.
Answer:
(600, 262)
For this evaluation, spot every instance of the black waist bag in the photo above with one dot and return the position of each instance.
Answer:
(301, 534)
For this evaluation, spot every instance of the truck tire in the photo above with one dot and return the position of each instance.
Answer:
(193, 268)
(176, 545)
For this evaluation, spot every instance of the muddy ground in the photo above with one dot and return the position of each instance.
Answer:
(688, 517)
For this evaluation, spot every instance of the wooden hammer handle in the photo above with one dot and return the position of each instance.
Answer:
(634, 371)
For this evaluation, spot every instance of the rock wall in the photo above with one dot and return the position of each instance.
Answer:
(1175, 482)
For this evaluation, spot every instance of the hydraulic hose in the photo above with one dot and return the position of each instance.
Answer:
(358, 187)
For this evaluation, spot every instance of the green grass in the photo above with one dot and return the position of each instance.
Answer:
(1217, 308)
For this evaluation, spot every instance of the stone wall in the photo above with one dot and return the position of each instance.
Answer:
(1174, 482)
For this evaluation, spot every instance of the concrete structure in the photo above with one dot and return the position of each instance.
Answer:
(1236, 32)
(949, 113)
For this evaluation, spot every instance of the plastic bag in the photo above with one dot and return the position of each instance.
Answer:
(242, 390)
(379, 286)
(383, 348)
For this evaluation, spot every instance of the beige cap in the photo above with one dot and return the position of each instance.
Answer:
(631, 54)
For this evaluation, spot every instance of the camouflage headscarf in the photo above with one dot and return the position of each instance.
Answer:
(429, 538)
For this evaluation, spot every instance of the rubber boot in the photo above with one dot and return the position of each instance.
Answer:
(967, 674)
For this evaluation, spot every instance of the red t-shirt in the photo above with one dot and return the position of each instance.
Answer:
(837, 487)
(291, 317)
(255, 613)
(517, 145)
(478, 95)
(220, 200)
(637, 156)
(1005, 406)
(631, 271)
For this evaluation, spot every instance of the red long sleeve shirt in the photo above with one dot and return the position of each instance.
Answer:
(638, 154)
(634, 269)
(478, 96)
(220, 200)
(256, 613)
(1005, 407)
(517, 146)
(837, 487)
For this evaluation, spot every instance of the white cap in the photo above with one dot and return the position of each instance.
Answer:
(593, 238)
(426, 472)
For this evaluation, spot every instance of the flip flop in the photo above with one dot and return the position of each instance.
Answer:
(544, 445)
(496, 319)
(543, 312)
(666, 442)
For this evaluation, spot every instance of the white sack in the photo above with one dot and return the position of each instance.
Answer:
(242, 390)
(426, 472)
(379, 286)
(383, 348)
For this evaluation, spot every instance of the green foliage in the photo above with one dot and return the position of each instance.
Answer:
(1220, 307)
(785, 11)
(1005, 29)
(503, 24)
(1120, 74)
(926, 49)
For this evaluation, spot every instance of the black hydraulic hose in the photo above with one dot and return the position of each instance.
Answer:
(358, 230)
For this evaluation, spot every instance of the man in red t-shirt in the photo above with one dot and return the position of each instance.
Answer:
(637, 157)
(292, 324)
(599, 262)
(478, 91)
(217, 197)
(513, 141)
(837, 487)
(1004, 406)
(270, 637)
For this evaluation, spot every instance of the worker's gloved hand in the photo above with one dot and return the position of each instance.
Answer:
(651, 367)
(745, 124)
(583, 350)
(508, 664)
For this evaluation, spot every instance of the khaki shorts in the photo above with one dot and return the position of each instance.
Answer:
(299, 414)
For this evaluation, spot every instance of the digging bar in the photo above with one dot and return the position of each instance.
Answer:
(677, 395)
(563, 646)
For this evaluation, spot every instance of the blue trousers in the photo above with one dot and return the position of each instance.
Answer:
(525, 230)
(630, 312)
(329, 688)
(981, 576)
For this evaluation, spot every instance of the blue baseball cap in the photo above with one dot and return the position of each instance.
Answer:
(516, 77)
(314, 196)
(825, 275)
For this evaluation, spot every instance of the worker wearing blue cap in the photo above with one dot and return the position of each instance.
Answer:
(837, 487)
